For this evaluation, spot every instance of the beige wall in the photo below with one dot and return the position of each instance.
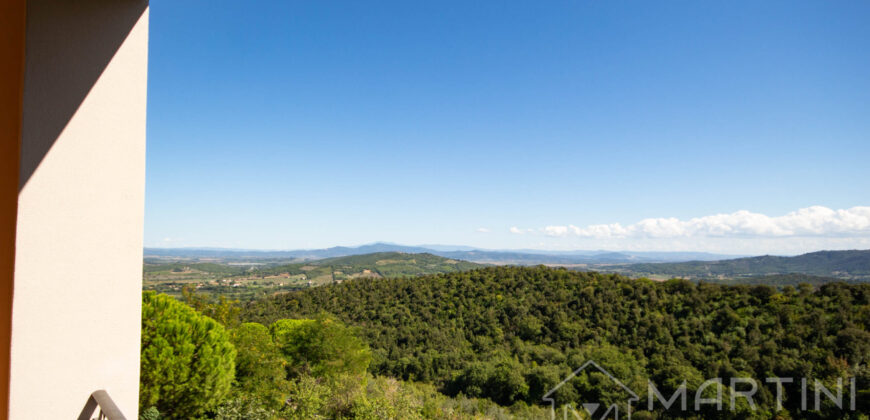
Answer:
(78, 255)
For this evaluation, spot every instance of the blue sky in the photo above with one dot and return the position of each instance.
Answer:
(302, 124)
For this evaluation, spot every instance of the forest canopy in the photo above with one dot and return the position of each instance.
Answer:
(510, 334)
(491, 343)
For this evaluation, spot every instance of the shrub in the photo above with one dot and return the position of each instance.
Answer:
(247, 408)
(150, 413)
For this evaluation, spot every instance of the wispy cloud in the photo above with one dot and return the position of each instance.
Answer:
(482, 230)
(816, 221)
(517, 231)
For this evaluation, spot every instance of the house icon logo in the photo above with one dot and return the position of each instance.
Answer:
(594, 409)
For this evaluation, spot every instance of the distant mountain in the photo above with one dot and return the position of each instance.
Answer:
(843, 265)
(615, 257)
(838, 264)
(195, 253)
(342, 251)
(311, 254)
(518, 257)
(660, 256)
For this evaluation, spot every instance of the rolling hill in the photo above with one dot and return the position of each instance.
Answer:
(837, 264)
(380, 264)
(249, 280)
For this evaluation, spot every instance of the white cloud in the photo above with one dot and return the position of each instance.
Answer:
(557, 230)
(517, 231)
(815, 221)
(482, 230)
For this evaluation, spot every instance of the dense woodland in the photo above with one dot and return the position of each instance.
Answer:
(509, 334)
(490, 343)
(199, 361)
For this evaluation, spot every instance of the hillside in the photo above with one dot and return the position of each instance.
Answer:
(394, 264)
(780, 280)
(837, 264)
(511, 333)
(248, 280)
(379, 264)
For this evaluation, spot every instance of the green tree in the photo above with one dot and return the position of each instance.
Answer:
(187, 360)
(259, 364)
(500, 380)
(308, 396)
(225, 310)
(322, 347)
(506, 385)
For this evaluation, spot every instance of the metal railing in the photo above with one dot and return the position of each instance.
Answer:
(107, 408)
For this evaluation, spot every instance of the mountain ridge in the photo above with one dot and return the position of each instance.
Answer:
(848, 264)
(492, 256)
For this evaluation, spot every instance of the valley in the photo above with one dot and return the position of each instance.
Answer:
(248, 275)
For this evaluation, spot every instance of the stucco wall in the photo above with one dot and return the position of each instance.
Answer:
(78, 255)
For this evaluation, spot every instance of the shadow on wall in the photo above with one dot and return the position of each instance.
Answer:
(57, 80)
(56, 49)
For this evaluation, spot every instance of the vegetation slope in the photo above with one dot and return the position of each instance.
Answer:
(839, 264)
(510, 334)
